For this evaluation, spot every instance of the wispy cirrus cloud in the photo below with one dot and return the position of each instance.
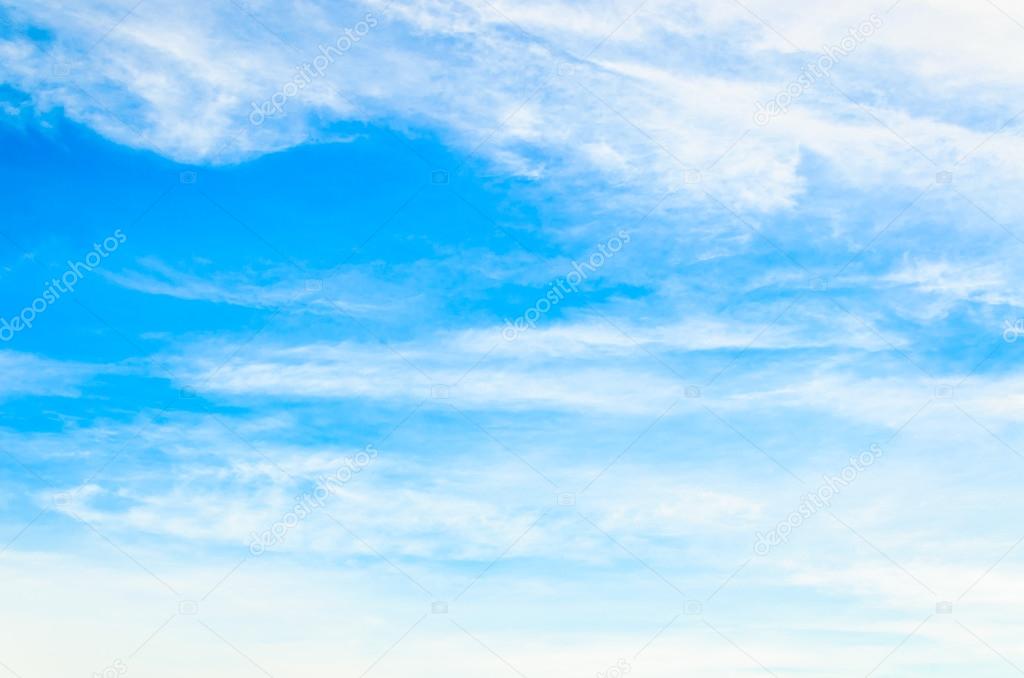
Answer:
(26, 374)
(600, 91)
(271, 289)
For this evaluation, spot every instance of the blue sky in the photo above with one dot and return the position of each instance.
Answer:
(519, 338)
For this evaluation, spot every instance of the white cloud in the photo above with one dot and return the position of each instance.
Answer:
(270, 289)
(28, 374)
(627, 105)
